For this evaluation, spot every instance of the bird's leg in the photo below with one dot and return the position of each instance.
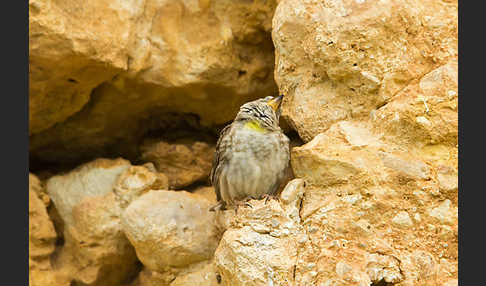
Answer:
(246, 203)
(241, 204)
(267, 197)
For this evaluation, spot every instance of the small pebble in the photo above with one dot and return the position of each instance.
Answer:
(311, 265)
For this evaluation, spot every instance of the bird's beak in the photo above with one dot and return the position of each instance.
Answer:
(275, 102)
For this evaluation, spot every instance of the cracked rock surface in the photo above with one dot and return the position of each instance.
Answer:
(103, 73)
(127, 97)
(260, 247)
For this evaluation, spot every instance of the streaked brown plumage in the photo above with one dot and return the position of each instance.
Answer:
(252, 154)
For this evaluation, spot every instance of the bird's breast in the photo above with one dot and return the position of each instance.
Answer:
(254, 142)
(256, 163)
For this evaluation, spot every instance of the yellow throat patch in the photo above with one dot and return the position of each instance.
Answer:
(255, 125)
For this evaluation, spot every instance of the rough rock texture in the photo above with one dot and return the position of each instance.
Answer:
(72, 49)
(103, 73)
(339, 59)
(90, 200)
(260, 247)
(207, 192)
(42, 237)
(424, 113)
(202, 273)
(374, 211)
(171, 230)
(184, 161)
(136, 181)
(370, 87)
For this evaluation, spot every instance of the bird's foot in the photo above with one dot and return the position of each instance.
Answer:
(239, 204)
(267, 197)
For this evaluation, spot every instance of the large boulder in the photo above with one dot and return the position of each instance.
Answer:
(73, 48)
(42, 238)
(343, 59)
(90, 201)
(373, 212)
(171, 230)
(183, 161)
(261, 243)
(425, 111)
(103, 74)
(201, 273)
(371, 86)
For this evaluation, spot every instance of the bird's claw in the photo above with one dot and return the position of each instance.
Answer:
(268, 197)
(240, 204)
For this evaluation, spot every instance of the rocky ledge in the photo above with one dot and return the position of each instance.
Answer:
(126, 99)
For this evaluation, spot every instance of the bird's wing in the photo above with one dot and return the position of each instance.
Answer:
(285, 141)
(220, 156)
(287, 173)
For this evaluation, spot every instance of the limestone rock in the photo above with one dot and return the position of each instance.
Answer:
(170, 229)
(147, 277)
(209, 39)
(260, 248)
(136, 181)
(291, 198)
(343, 59)
(323, 168)
(42, 235)
(422, 268)
(411, 168)
(94, 179)
(73, 47)
(383, 268)
(37, 187)
(42, 238)
(402, 219)
(357, 135)
(447, 178)
(425, 111)
(371, 209)
(246, 257)
(89, 201)
(207, 192)
(334, 158)
(202, 273)
(444, 212)
(452, 282)
(183, 162)
(116, 70)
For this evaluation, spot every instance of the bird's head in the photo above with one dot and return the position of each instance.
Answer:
(261, 114)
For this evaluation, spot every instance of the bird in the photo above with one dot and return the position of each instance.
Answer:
(252, 155)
